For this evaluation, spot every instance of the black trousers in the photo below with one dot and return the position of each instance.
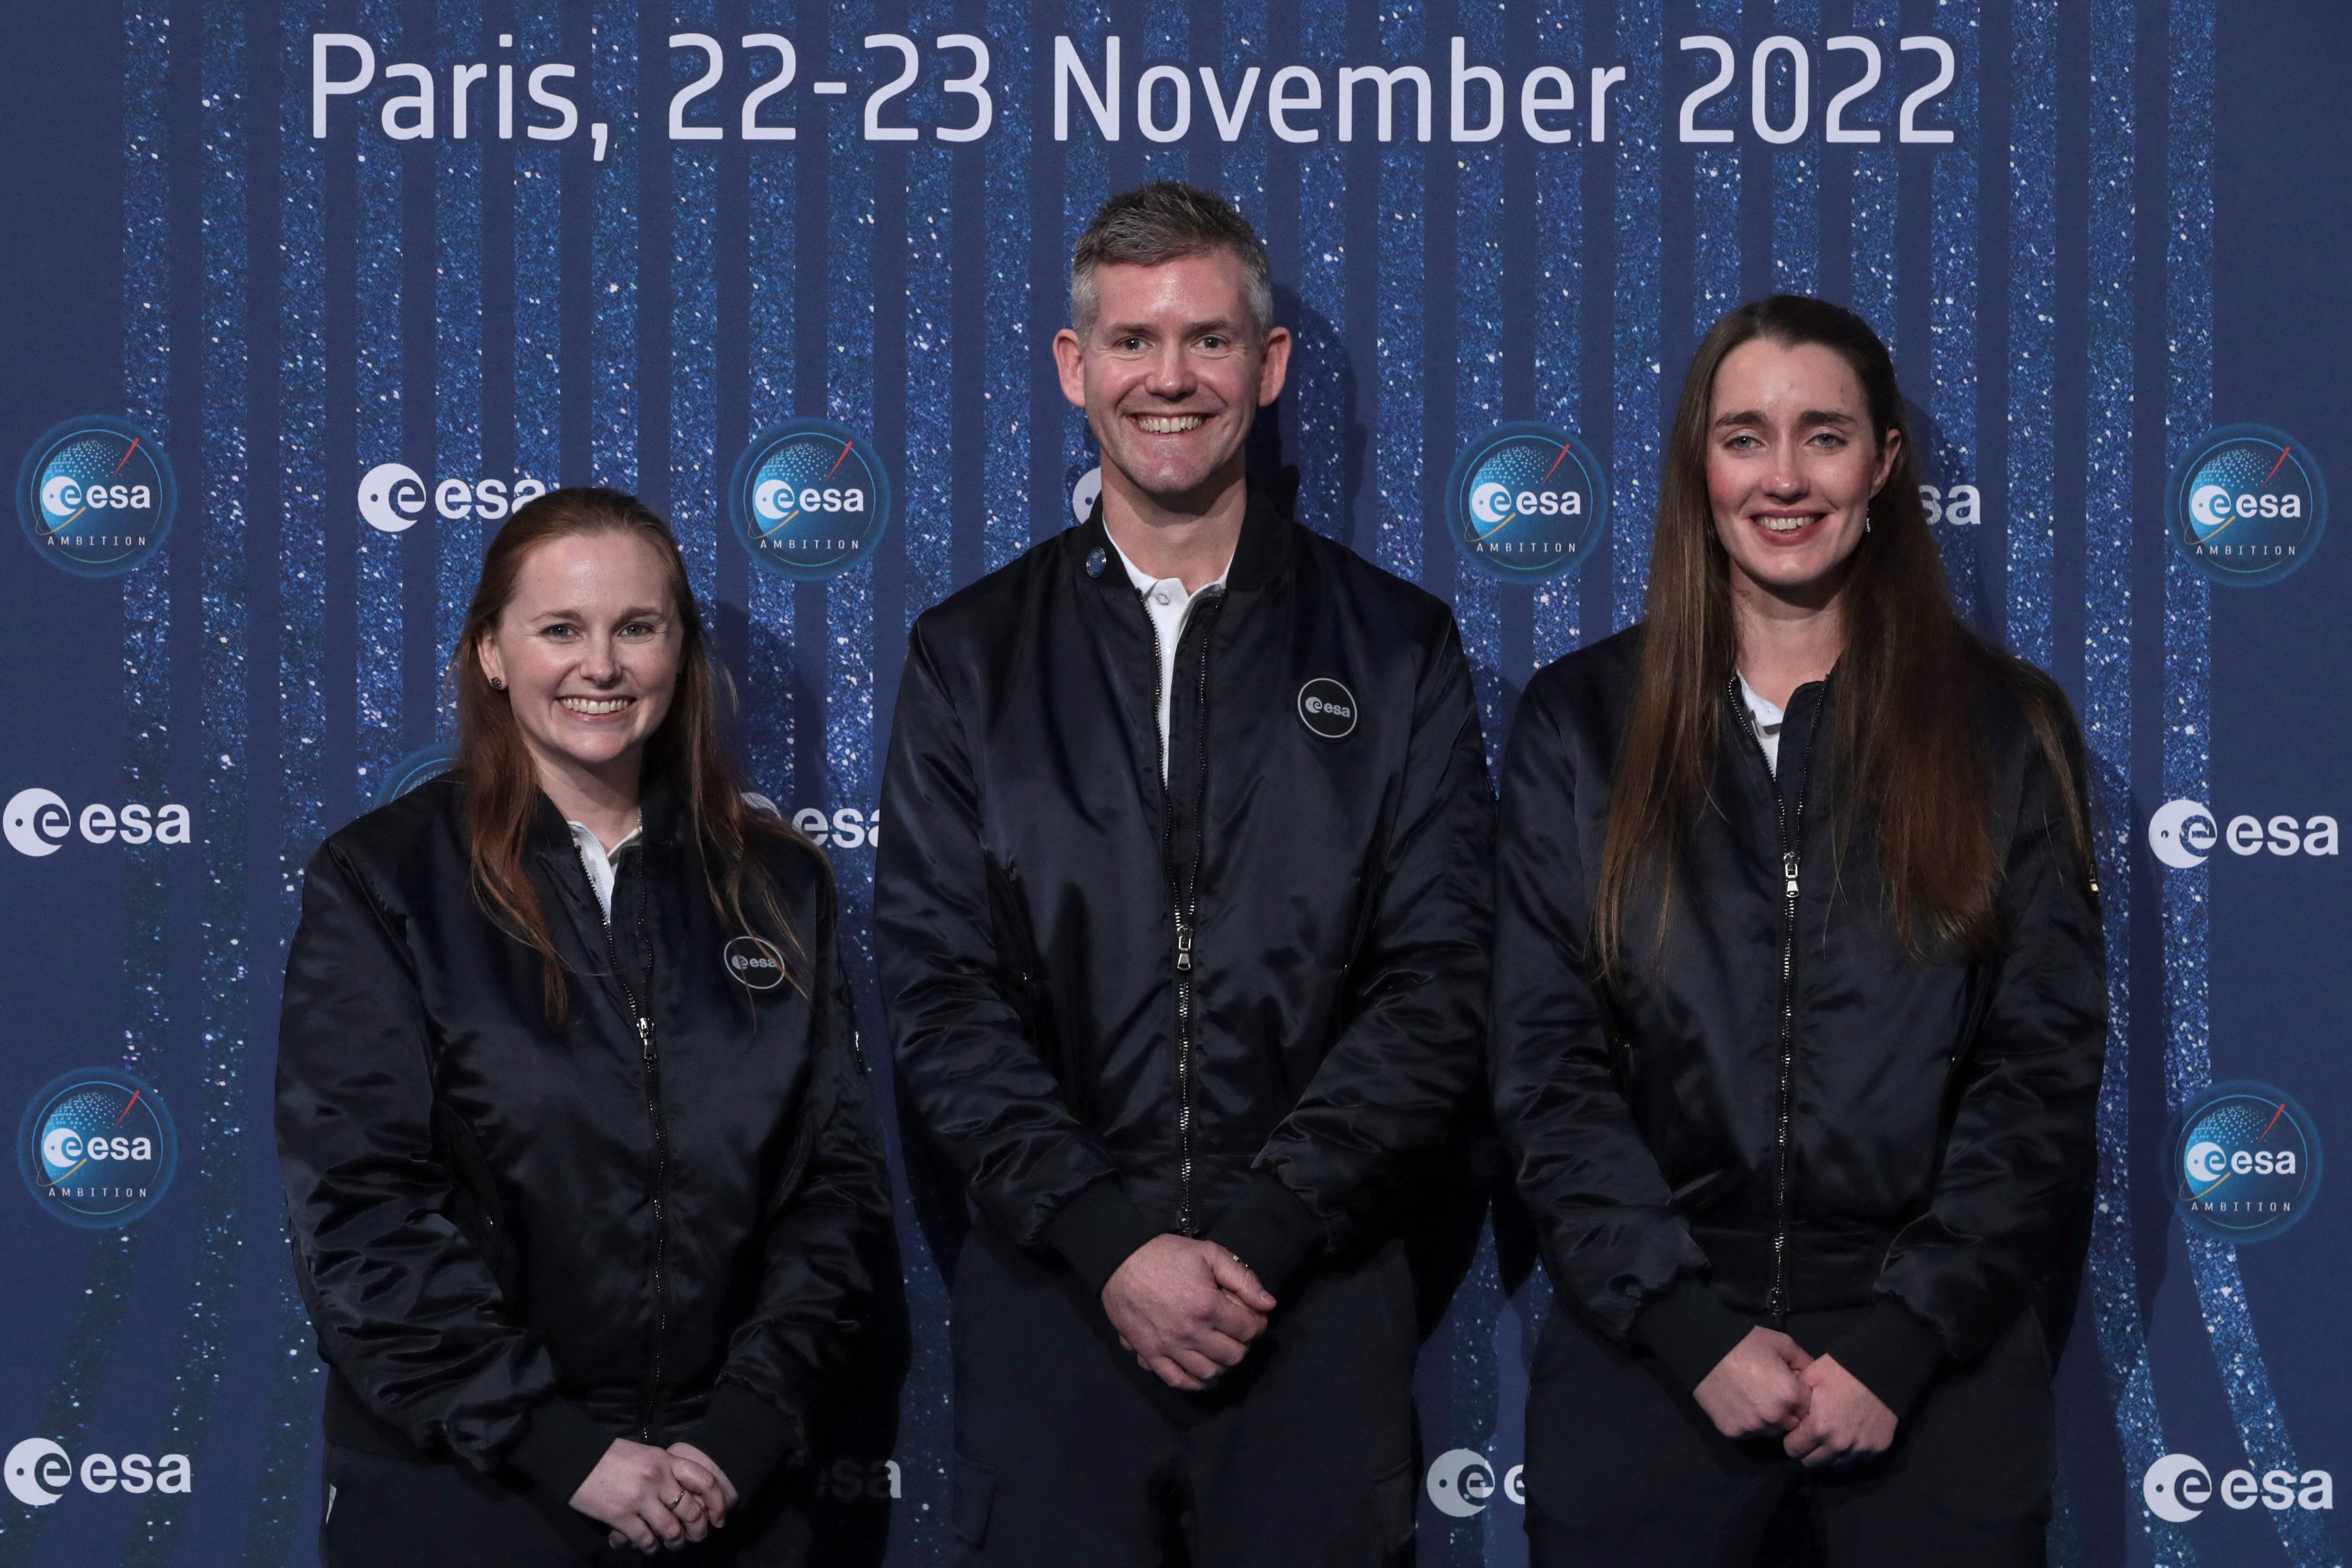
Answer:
(1068, 1455)
(382, 1513)
(1623, 1466)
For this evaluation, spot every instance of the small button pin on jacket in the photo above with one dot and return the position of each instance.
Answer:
(1095, 560)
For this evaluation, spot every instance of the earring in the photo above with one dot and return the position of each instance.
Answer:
(1865, 528)
(499, 685)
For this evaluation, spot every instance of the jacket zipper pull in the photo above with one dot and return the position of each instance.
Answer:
(1788, 872)
(1183, 945)
(646, 1037)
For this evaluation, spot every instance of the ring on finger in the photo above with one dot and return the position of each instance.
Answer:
(672, 1504)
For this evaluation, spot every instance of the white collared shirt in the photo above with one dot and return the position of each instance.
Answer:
(1769, 720)
(600, 864)
(1167, 603)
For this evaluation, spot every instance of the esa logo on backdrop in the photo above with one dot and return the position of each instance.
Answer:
(2242, 1161)
(2177, 1487)
(40, 1472)
(97, 1148)
(391, 496)
(2182, 834)
(2246, 506)
(1462, 1483)
(809, 498)
(1528, 502)
(96, 496)
(38, 822)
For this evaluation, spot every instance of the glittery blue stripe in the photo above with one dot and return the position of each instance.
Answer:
(1085, 185)
(1797, 168)
(1478, 229)
(457, 315)
(849, 388)
(1634, 449)
(933, 227)
(1245, 161)
(538, 262)
(2027, 509)
(381, 555)
(1558, 226)
(284, 1494)
(1715, 180)
(613, 336)
(696, 469)
(1321, 385)
(2107, 528)
(769, 675)
(1871, 227)
(146, 593)
(1952, 297)
(1007, 345)
(301, 460)
(1402, 297)
(212, 1132)
(1166, 39)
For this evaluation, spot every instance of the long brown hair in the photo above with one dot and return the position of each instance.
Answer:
(687, 753)
(1909, 680)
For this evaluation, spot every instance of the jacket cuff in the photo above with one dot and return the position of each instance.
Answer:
(1268, 1228)
(561, 1442)
(1099, 1231)
(1893, 1352)
(1689, 1329)
(747, 1436)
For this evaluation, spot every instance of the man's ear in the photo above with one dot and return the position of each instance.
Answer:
(1069, 359)
(1274, 366)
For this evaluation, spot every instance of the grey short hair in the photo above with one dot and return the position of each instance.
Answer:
(1161, 221)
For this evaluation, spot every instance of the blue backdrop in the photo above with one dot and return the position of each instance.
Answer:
(345, 334)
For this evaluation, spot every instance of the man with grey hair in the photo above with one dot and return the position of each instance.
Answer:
(1184, 921)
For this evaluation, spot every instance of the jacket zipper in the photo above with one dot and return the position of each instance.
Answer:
(650, 1055)
(1792, 828)
(1185, 898)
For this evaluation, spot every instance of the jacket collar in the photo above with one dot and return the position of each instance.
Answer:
(664, 818)
(1260, 556)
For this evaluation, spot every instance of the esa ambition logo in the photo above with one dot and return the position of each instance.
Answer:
(2246, 505)
(97, 1148)
(1528, 502)
(96, 496)
(809, 498)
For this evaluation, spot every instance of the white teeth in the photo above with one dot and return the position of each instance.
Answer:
(597, 704)
(1171, 424)
(1783, 524)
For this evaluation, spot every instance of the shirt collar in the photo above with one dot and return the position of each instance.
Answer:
(1145, 583)
(1767, 717)
(587, 839)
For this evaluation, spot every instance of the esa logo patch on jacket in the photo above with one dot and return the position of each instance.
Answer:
(1328, 708)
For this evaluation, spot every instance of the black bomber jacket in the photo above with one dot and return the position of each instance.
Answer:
(517, 1243)
(1229, 1006)
(1778, 1110)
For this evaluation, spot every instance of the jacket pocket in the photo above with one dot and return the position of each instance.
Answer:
(474, 1206)
(975, 1494)
(1392, 1505)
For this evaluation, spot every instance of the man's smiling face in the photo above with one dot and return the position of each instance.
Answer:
(1171, 373)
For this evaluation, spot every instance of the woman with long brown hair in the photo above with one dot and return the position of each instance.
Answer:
(1798, 1007)
(586, 1193)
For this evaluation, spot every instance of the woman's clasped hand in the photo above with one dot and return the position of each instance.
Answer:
(655, 1498)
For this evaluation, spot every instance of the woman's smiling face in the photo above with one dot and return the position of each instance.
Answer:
(588, 649)
(1791, 465)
